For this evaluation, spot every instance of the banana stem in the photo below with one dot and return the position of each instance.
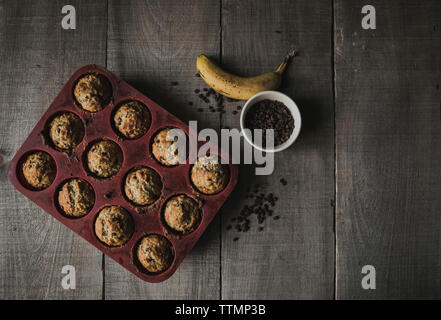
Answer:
(283, 65)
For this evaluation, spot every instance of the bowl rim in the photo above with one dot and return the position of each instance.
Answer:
(292, 107)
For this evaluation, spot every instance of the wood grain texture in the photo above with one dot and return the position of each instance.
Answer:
(37, 58)
(388, 140)
(294, 256)
(151, 45)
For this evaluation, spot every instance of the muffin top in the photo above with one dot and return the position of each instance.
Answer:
(132, 119)
(155, 253)
(93, 92)
(209, 176)
(66, 131)
(143, 186)
(104, 159)
(39, 170)
(114, 226)
(182, 214)
(165, 152)
(76, 197)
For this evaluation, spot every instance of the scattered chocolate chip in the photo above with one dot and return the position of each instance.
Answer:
(283, 181)
(174, 83)
(234, 112)
(197, 75)
(190, 103)
(239, 108)
(235, 239)
(278, 31)
(276, 218)
(260, 206)
(108, 195)
(196, 91)
(200, 109)
(205, 89)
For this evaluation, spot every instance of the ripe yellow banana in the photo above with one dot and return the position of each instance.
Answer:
(236, 87)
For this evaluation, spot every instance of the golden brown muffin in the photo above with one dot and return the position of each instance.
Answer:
(132, 119)
(165, 152)
(209, 176)
(76, 197)
(182, 214)
(114, 226)
(93, 92)
(143, 186)
(155, 253)
(39, 170)
(66, 131)
(104, 159)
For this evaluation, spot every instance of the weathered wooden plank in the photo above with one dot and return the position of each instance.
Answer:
(151, 45)
(292, 257)
(37, 58)
(388, 140)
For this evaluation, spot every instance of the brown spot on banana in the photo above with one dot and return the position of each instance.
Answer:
(236, 87)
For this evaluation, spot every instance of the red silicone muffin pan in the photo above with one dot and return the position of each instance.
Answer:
(137, 152)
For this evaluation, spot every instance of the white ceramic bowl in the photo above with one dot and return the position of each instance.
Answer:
(288, 102)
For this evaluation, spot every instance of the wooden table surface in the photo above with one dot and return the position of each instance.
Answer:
(364, 178)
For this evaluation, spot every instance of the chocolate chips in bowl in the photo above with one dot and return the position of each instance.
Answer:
(270, 110)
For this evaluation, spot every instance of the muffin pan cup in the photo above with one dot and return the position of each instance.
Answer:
(137, 152)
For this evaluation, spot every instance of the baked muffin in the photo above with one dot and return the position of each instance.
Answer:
(66, 131)
(143, 186)
(39, 170)
(93, 92)
(114, 226)
(155, 253)
(209, 176)
(76, 197)
(182, 214)
(104, 159)
(132, 119)
(165, 152)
